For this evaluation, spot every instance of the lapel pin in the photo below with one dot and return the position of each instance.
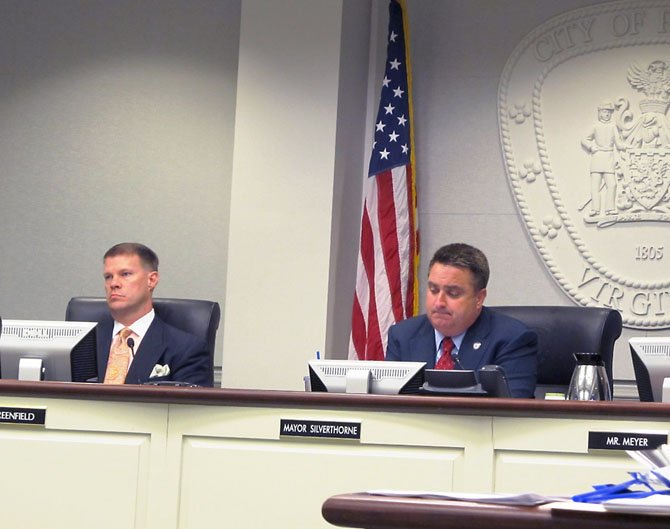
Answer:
(476, 345)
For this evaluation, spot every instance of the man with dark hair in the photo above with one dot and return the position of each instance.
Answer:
(457, 331)
(134, 344)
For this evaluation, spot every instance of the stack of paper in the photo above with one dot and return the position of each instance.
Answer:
(525, 499)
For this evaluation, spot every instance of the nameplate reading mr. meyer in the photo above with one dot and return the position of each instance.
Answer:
(626, 440)
(328, 429)
(35, 416)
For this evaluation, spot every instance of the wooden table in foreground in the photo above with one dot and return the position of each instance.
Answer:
(368, 511)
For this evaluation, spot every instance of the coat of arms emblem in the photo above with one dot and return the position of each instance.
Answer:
(633, 151)
(583, 111)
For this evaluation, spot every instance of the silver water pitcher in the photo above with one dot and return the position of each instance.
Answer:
(589, 379)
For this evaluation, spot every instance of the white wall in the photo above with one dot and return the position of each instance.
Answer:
(282, 216)
(116, 123)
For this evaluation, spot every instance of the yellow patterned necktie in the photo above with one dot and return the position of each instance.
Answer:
(119, 358)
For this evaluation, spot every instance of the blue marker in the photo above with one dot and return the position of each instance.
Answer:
(318, 355)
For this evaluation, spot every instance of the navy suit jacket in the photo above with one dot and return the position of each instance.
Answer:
(492, 339)
(163, 344)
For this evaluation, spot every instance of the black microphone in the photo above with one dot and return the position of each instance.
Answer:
(131, 344)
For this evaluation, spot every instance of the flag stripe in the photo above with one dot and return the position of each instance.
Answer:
(368, 298)
(404, 230)
(388, 230)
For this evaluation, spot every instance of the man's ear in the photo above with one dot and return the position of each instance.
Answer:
(153, 279)
(481, 296)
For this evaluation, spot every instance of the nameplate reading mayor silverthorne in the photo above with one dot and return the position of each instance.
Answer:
(36, 416)
(626, 440)
(328, 429)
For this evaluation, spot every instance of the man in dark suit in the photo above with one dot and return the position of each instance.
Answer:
(455, 314)
(153, 351)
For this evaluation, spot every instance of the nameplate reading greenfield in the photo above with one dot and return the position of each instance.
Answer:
(329, 429)
(626, 440)
(35, 416)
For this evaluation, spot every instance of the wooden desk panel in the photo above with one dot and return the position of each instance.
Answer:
(198, 454)
(90, 459)
(294, 475)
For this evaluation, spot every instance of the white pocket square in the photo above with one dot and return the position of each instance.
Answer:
(160, 371)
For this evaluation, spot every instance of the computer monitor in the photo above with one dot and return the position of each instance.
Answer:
(651, 363)
(48, 350)
(366, 376)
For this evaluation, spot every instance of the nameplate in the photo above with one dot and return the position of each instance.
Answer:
(327, 429)
(34, 416)
(626, 440)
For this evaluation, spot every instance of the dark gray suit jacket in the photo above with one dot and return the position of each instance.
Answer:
(492, 339)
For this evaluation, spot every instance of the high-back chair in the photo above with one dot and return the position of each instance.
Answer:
(563, 331)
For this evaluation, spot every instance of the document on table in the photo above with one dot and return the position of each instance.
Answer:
(657, 504)
(654, 504)
(528, 499)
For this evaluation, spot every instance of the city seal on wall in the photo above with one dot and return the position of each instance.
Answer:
(583, 112)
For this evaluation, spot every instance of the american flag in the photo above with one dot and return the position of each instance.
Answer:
(388, 257)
